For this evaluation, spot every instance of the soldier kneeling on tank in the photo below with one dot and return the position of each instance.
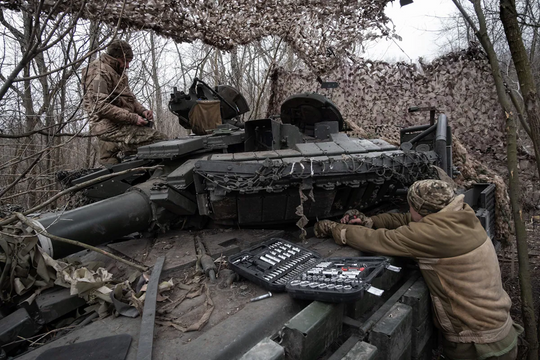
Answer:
(116, 117)
(457, 260)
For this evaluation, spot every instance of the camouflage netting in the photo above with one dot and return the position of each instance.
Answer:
(373, 98)
(319, 31)
(26, 270)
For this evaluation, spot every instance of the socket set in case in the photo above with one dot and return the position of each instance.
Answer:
(279, 265)
(273, 263)
(339, 279)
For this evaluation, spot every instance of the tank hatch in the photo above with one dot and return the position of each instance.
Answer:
(306, 110)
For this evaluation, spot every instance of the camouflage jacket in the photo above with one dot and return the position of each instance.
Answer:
(108, 100)
(458, 262)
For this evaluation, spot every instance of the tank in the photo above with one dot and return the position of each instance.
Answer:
(296, 167)
(258, 180)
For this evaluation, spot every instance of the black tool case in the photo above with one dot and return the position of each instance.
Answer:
(337, 279)
(273, 263)
(279, 265)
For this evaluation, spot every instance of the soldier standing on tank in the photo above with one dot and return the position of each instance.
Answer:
(116, 117)
(457, 260)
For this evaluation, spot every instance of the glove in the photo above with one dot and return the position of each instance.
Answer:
(355, 217)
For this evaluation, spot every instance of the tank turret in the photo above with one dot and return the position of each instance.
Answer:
(295, 168)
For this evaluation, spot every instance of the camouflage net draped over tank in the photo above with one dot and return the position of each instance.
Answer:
(318, 31)
(373, 98)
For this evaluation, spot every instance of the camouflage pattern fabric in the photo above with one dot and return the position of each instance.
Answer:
(319, 40)
(108, 153)
(354, 214)
(23, 266)
(114, 111)
(125, 139)
(430, 196)
(324, 228)
(108, 99)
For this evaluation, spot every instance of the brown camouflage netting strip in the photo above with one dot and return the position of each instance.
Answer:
(319, 31)
(373, 98)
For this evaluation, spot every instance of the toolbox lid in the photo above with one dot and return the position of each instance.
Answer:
(305, 110)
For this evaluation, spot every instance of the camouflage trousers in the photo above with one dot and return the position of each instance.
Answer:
(125, 139)
(466, 351)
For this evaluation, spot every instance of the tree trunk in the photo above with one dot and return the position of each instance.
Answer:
(514, 184)
(527, 303)
(94, 44)
(523, 70)
(532, 109)
(202, 65)
(182, 66)
(530, 16)
(269, 65)
(236, 75)
(31, 118)
(158, 106)
(534, 41)
(217, 70)
(289, 63)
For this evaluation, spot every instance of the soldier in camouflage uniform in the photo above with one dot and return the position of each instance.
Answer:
(457, 260)
(116, 117)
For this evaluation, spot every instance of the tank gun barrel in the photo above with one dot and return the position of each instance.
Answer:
(97, 223)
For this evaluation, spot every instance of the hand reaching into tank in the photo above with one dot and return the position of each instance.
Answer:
(349, 215)
(355, 217)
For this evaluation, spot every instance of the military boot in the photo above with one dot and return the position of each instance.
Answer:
(324, 228)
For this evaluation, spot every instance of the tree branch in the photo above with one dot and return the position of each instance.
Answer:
(75, 188)
(10, 186)
(519, 111)
(43, 132)
(465, 15)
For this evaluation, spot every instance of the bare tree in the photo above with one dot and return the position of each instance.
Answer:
(531, 100)
(42, 67)
(513, 172)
